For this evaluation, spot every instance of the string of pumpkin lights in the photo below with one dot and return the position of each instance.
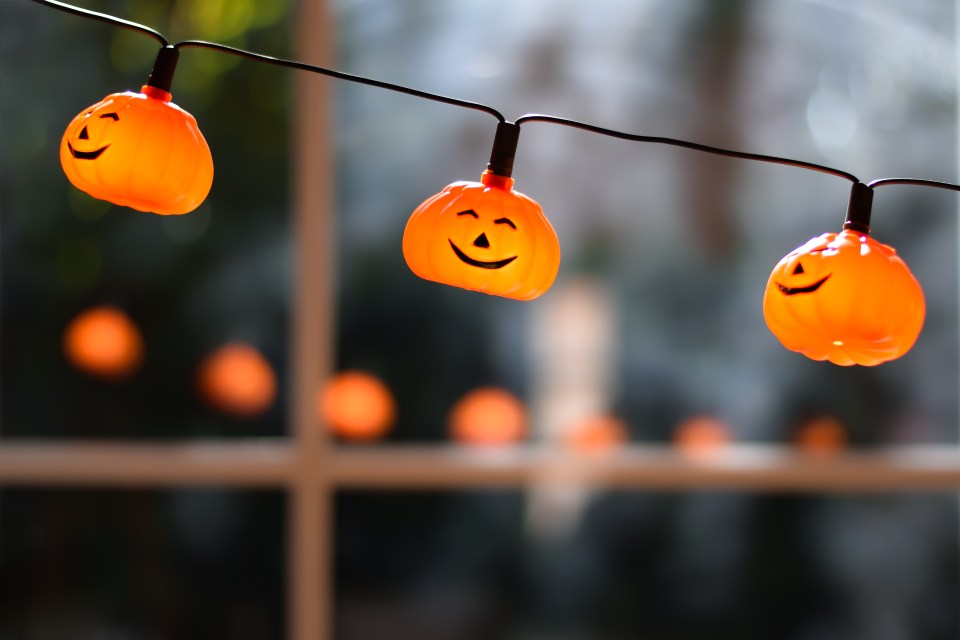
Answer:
(844, 297)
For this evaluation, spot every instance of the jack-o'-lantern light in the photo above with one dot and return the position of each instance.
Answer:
(845, 297)
(484, 236)
(701, 437)
(821, 436)
(105, 342)
(140, 150)
(358, 406)
(237, 380)
(488, 417)
(596, 434)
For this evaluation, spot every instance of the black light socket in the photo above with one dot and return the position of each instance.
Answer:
(504, 149)
(161, 77)
(858, 209)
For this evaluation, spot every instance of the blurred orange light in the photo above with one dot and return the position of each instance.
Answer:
(357, 406)
(488, 416)
(237, 380)
(104, 342)
(701, 436)
(596, 434)
(822, 435)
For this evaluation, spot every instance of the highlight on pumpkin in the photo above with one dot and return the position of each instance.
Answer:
(103, 341)
(845, 298)
(595, 435)
(356, 405)
(483, 236)
(488, 416)
(138, 150)
(237, 380)
(701, 437)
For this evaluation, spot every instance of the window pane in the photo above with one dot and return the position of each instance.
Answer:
(610, 566)
(190, 563)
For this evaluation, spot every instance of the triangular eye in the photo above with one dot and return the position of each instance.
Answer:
(798, 269)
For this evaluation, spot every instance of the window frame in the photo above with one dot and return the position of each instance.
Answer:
(310, 468)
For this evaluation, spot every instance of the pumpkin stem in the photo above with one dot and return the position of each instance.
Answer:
(504, 149)
(858, 209)
(161, 76)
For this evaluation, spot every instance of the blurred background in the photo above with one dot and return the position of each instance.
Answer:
(653, 329)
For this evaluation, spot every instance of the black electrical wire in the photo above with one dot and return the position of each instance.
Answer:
(342, 76)
(103, 17)
(531, 117)
(913, 181)
(537, 117)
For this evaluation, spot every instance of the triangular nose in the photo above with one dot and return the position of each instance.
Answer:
(798, 269)
(83, 134)
(482, 241)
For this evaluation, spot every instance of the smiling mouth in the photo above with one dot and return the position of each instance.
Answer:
(86, 155)
(496, 264)
(810, 288)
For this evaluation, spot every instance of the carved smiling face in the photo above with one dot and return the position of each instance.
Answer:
(85, 149)
(138, 150)
(845, 298)
(481, 244)
(795, 289)
(485, 237)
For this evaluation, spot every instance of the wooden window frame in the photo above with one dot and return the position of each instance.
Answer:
(310, 469)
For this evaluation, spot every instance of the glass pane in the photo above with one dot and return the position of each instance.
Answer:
(189, 284)
(656, 315)
(611, 566)
(185, 563)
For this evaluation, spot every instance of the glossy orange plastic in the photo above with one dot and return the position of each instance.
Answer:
(845, 298)
(356, 405)
(139, 150)
(483, 236)
(103, 341)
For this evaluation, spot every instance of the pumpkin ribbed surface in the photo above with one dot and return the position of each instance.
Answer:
(845, 298)
(483, 236)
(139, 150)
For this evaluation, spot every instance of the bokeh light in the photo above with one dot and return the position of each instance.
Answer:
(357, 405)
(488, 416)
(237, 380)
(701, 436)
(104, 342)
(822, 435)
(596, 434)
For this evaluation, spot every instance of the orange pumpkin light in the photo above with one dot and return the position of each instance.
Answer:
(823, 435)
(596, 435)
(485, 237)
(701, 437)
(357, 406)
(104, 342)
(138, 150)
(237, 380)
(845, 298)
(488, 416)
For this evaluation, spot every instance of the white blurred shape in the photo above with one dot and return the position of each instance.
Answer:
(832, 120)
(573, 338)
